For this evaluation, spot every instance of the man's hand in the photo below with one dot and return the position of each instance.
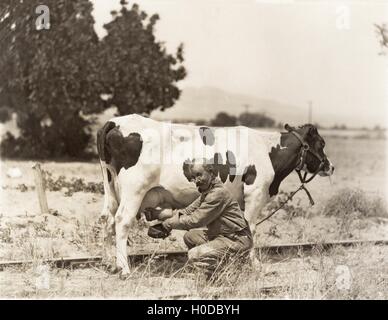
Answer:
(169, 223)
(157, 214)
(151, 213)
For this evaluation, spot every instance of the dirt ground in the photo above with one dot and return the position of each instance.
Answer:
(71, 228)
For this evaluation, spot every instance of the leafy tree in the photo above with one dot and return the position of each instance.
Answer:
(54, 78)
(255, 120)
(223, 119)
(139, 75)
(51, 78)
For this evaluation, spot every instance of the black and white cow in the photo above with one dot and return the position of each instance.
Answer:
(144, 164)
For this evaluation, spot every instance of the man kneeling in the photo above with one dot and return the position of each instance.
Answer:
(227, 235)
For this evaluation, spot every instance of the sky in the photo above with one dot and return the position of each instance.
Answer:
(287, 50)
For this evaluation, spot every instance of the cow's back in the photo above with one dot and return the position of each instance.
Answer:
(166, 146)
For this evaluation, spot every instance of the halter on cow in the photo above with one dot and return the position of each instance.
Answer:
(304, 149)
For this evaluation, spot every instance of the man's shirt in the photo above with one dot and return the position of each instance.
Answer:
(215, 209)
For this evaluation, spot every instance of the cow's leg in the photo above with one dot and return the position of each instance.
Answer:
(109, 212)
(110, 201)
(134, 184)
(254, 204)
(124, 220)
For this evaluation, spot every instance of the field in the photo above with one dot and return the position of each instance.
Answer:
(349, 206)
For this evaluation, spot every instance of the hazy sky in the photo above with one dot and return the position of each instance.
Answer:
(289, 51)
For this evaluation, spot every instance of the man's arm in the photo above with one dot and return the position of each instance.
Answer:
(191, 207)
(210, 209)
(163, 214)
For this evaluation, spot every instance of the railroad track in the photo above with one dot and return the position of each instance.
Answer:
(275, 252)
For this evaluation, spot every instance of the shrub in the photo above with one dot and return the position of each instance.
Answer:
(223, 119)
(256, 120)
(348, 201)
(74, 185)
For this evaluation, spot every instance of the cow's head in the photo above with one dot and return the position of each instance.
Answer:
(314, 145)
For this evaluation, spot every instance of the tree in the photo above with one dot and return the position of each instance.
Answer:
(382, 34)
(54, 78)
(223, 119)
(51, 78)
(139, 75)
(5, 114)
(255, 120)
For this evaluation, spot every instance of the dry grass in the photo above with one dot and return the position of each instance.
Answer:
(71, 186)
(350, 201)
(319, 276)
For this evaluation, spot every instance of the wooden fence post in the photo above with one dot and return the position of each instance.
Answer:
(40, 188)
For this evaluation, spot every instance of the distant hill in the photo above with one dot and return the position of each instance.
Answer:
(206, 102)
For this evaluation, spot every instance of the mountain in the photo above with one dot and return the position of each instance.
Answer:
(206, 102)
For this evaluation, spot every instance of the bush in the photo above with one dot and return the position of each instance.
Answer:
(224, 119)
(51, 145)
(255, 120)
(349, 201)
(74, 185)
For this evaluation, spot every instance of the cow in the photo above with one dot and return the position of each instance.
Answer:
(144, 164)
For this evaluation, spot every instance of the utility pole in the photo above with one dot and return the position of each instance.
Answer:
(246, 106)
(310, 116)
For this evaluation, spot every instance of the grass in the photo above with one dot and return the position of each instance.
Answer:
(72, 185)
(45, 237)
(349, 201)
(347, 214)
(346, 201)
(355, 273)
(293, 208)
(301, 277)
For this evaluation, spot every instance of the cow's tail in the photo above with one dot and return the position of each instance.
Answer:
(109, 174)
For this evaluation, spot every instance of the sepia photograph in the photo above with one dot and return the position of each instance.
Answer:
(193, 150)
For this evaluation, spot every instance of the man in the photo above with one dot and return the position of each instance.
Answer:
(227, 235)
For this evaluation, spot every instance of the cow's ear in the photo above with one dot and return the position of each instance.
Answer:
(288, 127)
